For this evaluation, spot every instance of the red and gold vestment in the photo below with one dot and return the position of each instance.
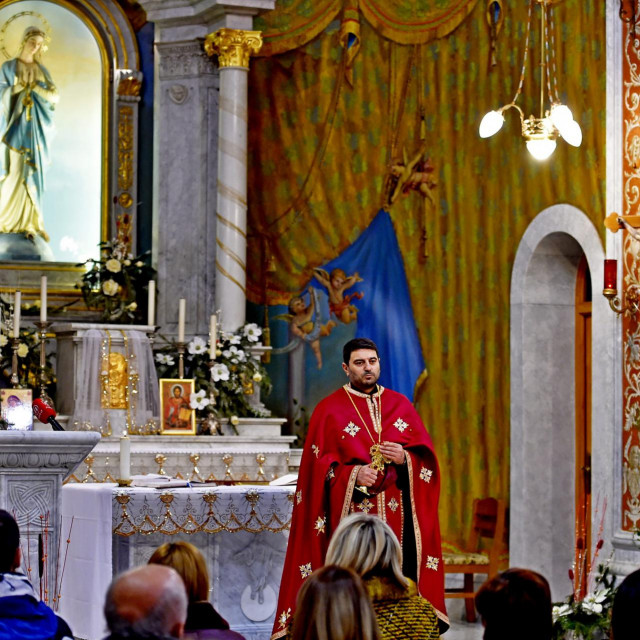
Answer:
(341, 434)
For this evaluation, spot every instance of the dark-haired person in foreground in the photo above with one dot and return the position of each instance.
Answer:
(624, 614)
(366, 451)
(515, 604)
(22, 614)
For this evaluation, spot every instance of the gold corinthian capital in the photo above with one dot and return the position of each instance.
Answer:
(233, 47)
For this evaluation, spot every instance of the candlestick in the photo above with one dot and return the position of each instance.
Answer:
(15, 342)
(42, 332)
(182, 312)
(151, 305)
(125, 459)
(43, 299)
(213, 336)
(17, 300)
(181, 346)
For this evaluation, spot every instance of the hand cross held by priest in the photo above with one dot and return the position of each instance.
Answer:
(366, 451)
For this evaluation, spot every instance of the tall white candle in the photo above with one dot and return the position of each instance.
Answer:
(151, 306)
(17, 301)
(43, 299)
(213, 336)
(125, 458)
(182, 312)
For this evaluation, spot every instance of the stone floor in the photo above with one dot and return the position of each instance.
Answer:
(461, 629)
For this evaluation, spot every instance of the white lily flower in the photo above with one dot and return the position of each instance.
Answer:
(252, 332)
(219, 371)
(197, 345)
(198, 400)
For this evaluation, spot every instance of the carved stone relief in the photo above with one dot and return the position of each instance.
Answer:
(184, 60)
(178, 93)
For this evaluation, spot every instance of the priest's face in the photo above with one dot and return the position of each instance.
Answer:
(363, 369)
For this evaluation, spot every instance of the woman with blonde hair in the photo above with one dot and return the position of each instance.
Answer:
(203, 621)
(332, 604)
(368, 545)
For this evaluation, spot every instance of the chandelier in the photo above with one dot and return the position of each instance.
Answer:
(540, 132)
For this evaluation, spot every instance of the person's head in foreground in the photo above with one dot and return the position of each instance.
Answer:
(624, 614)
(190, 565)
(146, 602)
(9, 543)
(332, 604)
(515, 604)
(367, 545)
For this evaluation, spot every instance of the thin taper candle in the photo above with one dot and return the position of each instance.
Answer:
(213, 330)
(43, 299)
(182, 312)
(151, 306)
(125, 458)
(17, 301)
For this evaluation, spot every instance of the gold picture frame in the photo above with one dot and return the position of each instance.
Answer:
(176, 415)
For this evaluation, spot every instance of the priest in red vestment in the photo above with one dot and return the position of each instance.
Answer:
(366, 451)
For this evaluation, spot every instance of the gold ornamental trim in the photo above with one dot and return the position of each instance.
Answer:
(233, 47)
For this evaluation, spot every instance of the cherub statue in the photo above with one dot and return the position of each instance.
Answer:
(416, 175)
(337, 283)
(304, 323)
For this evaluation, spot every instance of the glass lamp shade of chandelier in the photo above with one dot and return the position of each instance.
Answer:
(540, 135)
(563, 121)
(491, 123)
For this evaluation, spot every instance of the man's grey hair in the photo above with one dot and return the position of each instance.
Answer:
(158, 622)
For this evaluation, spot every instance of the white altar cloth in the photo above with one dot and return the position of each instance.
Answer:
(240, 529)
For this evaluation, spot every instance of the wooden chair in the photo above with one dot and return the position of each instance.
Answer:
(489, 521)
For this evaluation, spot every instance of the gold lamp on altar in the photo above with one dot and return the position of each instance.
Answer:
(540, 132)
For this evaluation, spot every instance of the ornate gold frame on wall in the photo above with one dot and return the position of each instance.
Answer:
(121, 86)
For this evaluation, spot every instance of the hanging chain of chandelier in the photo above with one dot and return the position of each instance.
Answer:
(540, 132)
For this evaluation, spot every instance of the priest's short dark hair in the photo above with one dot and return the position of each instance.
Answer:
(355, 344)
(9, 541)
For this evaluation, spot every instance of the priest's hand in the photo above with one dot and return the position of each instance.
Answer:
(392, 451)
(367, 476)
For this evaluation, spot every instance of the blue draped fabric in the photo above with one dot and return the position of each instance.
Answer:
(27, 131)
(385, 314)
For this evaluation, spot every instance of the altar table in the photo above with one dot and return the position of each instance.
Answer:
(242, 531)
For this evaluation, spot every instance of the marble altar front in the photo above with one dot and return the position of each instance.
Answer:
(33, 465)
(242, 531)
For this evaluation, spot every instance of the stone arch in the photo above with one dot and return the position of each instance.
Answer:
(543, 391)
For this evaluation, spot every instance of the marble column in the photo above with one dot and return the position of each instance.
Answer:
(234, 48)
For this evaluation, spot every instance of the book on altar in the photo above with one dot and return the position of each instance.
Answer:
(288, 479)
(157, 481)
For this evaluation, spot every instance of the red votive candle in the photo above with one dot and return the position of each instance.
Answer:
(611, 274)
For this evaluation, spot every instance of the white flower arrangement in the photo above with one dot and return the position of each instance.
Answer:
(231, 379)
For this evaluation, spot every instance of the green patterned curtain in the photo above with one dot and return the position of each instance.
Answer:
(322, 149)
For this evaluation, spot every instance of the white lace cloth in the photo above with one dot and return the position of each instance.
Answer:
(153, 516)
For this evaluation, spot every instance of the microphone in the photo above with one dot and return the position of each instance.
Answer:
(46, 414)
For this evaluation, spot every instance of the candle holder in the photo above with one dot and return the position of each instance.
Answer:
(261, 459)
(214, 423)
(227, 458)
(152, 336)
(160, 460)
(42, 332)
(181, 347)
(124, 483)
(15, 381)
